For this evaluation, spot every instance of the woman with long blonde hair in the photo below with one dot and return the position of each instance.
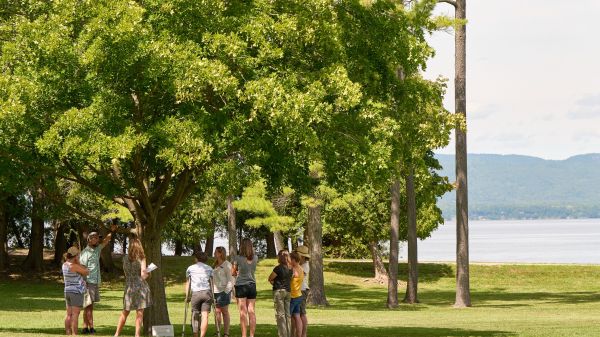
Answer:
(137, 293)
(244, 267)
(223, 282)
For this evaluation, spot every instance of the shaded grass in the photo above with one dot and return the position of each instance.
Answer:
(509, 300)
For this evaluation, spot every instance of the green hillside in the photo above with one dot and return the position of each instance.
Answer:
(522, 187)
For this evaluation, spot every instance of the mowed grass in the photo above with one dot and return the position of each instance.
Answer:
(508, 300)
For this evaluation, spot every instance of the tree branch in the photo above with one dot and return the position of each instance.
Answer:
(452, 2)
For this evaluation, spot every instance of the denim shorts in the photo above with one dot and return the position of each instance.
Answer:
(222, 299)
(295, 304)
(246, 291)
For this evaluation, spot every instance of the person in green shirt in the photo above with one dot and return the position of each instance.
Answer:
(90, 258)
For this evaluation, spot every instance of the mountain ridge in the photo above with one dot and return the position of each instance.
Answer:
(527, 187)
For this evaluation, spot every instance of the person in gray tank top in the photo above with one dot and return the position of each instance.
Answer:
(73, 273)
(244, 267)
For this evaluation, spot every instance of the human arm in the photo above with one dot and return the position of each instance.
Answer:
(143, 272)
(272, 277)
(79, 269)
(107, 238)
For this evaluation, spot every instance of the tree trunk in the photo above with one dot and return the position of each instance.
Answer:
(60, 242)
(392, 300)
(413, 263)
(178, 247)
(35, 256)
(157, 313)
(381, 274)
(231, 227)
(4, 259)
(271, 250)
(210, 239)
(314, 233)
(278, 238)
(108, 264)
(463, 295)
(124, 245)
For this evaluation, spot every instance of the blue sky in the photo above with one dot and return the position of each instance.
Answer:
(533, 76)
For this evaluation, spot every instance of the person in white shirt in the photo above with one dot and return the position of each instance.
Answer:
(223, 285)
(198, 278)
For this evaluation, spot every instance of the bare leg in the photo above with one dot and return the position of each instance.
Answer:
(304, 324)
(204, 324)
(74, 319)
(122, 320)
(68, 321)
(298, 322)
(139, 319)
(226, 318)
(88, 316)
(243, 315)
(252, 316)
(195, 322)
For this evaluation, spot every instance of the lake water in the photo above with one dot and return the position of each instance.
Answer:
(536, 241)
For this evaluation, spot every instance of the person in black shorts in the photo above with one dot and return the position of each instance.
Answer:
(244, 267)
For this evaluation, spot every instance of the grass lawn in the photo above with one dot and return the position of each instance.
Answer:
(508, 300)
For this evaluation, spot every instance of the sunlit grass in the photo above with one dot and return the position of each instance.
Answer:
(509, 300)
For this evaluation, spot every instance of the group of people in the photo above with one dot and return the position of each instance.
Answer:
(81, 273)
(290, 289)
(205, 284)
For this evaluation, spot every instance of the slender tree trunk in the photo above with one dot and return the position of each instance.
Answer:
(392, 300)
(4, 259)
(210, 240)
(231, 227)
(463, 295)
(35, 256)
(108, 264)
(157, 313)
(124, 245)
(278, 238)
(178, 247)
(380, 272)
(413, 263)
(60, 242)
(271, 250)
(314, 232)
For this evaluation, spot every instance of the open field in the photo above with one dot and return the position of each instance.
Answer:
(509, 300)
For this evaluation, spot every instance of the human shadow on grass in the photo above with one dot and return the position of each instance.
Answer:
(428, 272)
(270, 330)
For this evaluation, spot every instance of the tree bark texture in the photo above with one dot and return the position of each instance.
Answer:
(35, 256)
(316, 281)
(463, 295)
(158, 313)
(4, 259)
(209, 247)
(278, 238)
(60, 242)
(231, 227)
(178, 247)
(413, 263)
(379, 270)
(271, 249)
(108, 265)
(392, 300)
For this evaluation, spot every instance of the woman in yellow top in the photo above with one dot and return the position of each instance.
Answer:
(296, 293)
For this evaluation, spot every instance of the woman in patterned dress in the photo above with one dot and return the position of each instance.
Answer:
(137, 293)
